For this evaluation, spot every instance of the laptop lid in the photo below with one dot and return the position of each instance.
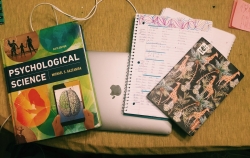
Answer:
(108, 70)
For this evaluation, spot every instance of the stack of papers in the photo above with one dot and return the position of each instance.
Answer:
(159, 42)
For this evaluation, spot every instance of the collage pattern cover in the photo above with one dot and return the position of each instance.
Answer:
(48, 83)
(196, 86)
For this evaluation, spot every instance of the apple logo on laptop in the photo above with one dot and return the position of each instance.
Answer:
(115, 90)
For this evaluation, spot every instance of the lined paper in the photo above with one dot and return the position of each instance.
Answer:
(222, 40)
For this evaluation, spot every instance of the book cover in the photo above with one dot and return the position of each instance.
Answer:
(49, 83)
(195, 86)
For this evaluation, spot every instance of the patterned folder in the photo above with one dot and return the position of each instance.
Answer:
(195, 87)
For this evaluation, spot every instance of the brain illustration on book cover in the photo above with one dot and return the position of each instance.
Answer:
(48, 83)
(69, 102)
(195, 87)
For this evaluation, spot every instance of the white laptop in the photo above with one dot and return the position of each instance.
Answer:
(108, 71)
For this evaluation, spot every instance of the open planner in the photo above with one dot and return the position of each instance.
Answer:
(158, 43)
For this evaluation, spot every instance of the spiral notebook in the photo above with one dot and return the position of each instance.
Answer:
(159, 42)
(193, 89)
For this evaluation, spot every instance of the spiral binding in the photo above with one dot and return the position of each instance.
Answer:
(130, 67)
(126, 84)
